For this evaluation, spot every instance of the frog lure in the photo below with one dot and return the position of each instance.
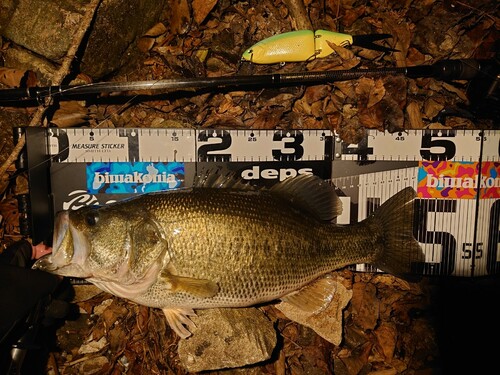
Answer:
(306, 45)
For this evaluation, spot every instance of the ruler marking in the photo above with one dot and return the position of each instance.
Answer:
(470, 146)
(476, 214)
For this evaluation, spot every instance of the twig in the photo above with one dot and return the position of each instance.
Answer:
(481, 13)
(299, 15)
(56, 80)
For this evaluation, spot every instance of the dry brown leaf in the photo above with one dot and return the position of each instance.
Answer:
(364, 86)
(10, 215)
(349, 59)
(179, 16)
(432, 107)
(358, 360)
(460, 93)
(415, 57)
(4, 182)
(386, 335)
(391, 23)
(225, 105)
(376, 93)
(352, 14)
(145, 43)
(201, 9)
(142, 318)
(223, 121)
(22, 185)
(15, 77)
(156, 30)
(299, 16)
(414, 116)
(266, 119)
(365, 305)
(317, 109)
(69, 114)
(370, 119)
(363, 90)
(347, 88)
(302, 106)
(117, 338)
(317, 92)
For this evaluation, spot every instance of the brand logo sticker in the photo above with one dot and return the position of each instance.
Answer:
(138, 177)
(458, 180)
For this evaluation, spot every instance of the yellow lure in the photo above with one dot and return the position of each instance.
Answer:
(295, 46)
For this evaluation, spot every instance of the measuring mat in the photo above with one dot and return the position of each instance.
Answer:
(455, 174)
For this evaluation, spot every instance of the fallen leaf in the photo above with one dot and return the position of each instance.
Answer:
(156, 30)
(10, 215)
(4, 183)
(376, 93)
(460, 93)
(360, 356)
(349, 59)
(17, 78)
(371, 119)
(352, 14)
(147, 41)
(70, 114)
(386, 335)
(179, 16)
(201, 9)
(266, 119)
(365, 305)
(414, 115)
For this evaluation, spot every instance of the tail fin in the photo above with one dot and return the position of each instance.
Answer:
(401, 252)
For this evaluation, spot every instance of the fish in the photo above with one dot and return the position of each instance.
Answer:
(226, 243)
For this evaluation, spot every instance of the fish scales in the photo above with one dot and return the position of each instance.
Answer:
(223, 244)
(249, 244)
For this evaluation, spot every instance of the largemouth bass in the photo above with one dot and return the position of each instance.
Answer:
(226, 244)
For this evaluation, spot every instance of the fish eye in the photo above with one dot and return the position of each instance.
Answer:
(92, 218)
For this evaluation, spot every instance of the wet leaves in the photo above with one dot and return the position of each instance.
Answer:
(385, 327)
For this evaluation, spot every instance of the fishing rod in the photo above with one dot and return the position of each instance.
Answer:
(482, 90)
(466, 69)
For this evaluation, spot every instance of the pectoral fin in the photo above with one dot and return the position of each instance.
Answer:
(178, 319)
(314, 297)
(197, 287)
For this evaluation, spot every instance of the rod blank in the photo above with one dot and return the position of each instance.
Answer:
(443, 70)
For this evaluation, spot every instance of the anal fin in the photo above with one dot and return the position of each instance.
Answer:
(314, 297)
(178, 319)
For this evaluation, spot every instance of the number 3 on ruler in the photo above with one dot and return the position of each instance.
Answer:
(292, 141)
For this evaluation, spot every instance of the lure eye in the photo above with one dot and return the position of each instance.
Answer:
(92, 218)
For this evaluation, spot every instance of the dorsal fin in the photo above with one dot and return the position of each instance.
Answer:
(311, 193)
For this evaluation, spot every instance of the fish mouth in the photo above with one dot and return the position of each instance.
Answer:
(69, 250)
